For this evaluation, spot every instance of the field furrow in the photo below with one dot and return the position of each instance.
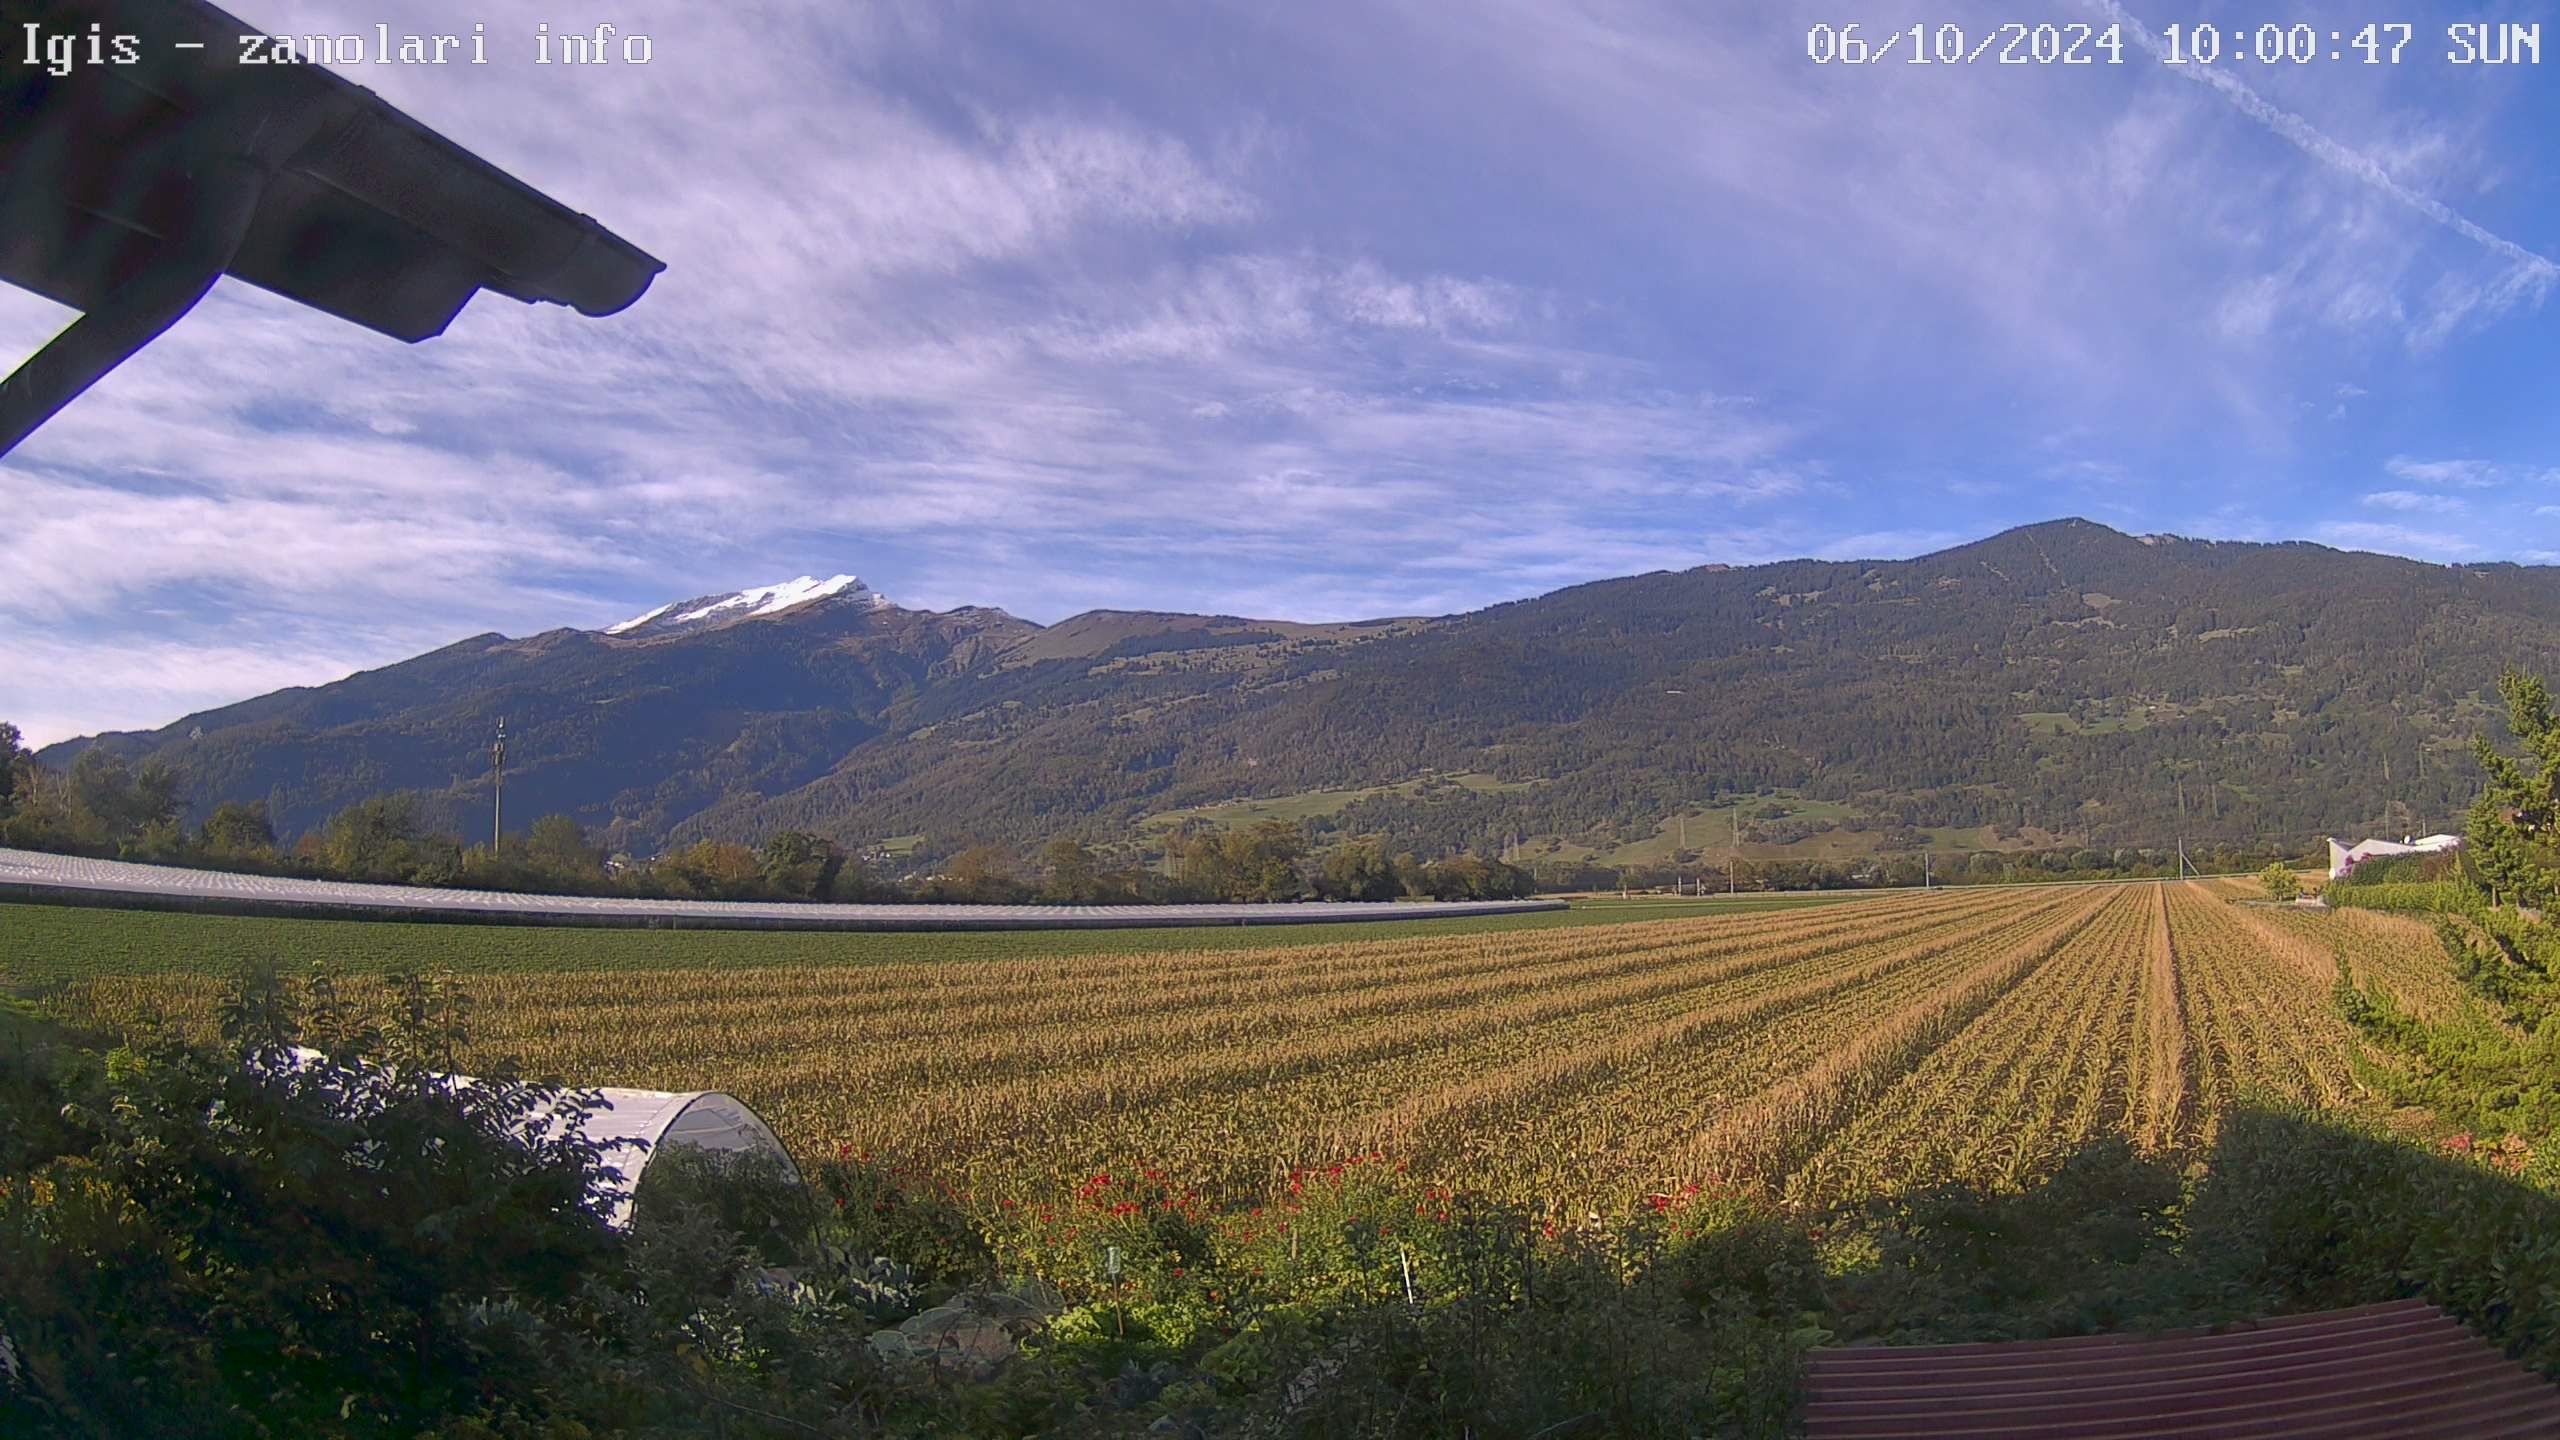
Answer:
(1831, 1051)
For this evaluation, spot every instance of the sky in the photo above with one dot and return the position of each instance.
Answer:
(1321, 311)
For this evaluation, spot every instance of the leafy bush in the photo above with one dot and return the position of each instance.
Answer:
(230, 1240)
(2308, 1211)
(222, 1240)
(2431, 897)
(880, 1209)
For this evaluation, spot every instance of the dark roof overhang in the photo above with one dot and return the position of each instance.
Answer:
(128, 187)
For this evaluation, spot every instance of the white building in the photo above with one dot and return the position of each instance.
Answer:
(2344, 857)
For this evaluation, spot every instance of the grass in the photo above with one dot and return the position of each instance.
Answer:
(1316, 804)
(1710, 832)
(1710, 829)
(2052, 724)
(43, 945)
(1711, 837)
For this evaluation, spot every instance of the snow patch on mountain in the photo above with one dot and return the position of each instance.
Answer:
(636, 621)
(767, 599)
(747, 604)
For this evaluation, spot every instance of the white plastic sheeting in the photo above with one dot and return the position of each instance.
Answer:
(33, 875)
(657, 1119)
(2344, 857)
(632, 1127)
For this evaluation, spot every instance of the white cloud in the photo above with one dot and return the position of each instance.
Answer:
(2412, 500)
(2466, 474)
(2398, 540)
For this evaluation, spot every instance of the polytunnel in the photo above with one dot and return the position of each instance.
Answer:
(631, 1127)
(704, 1119)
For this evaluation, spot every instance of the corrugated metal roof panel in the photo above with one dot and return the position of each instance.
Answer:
(2401, 1368)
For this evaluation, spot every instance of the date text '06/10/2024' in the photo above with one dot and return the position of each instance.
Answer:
(2021, 43)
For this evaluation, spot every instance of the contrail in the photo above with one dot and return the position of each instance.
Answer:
(2338, 157)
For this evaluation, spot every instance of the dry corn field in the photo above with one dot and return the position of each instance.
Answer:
(1825, 1052)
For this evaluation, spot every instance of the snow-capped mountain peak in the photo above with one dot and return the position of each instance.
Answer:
(707, 610)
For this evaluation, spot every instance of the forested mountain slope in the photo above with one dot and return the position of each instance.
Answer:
(2060, 680)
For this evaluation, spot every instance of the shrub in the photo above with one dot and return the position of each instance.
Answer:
(218, 1239)
(2307, 1211)
(882, 1209)
(2433, 897)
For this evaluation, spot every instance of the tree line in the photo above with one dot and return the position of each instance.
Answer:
(1904, 870)
(104, 807)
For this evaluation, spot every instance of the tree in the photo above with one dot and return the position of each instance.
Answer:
(124, 801)
(1257, 862)
(712, 869)
(47, 817)
(2508, 835)
(1261, 862)
(558, 844)
(238, 832)
(2281, 882)
(377, 838)
(852, 883)
(801, 865)
(1075, 875)
(983, 873)
(14, 762)
(1360, 870)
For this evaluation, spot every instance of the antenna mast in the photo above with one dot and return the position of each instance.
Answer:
(498, 788)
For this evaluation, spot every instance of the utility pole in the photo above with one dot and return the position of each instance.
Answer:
(498, 788)
(1924, 871)
(2183, 867)
(1733, 867)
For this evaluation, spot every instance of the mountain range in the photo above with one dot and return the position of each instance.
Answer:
(2060, 683)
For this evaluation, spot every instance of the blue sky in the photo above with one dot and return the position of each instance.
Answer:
(1320, 311)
